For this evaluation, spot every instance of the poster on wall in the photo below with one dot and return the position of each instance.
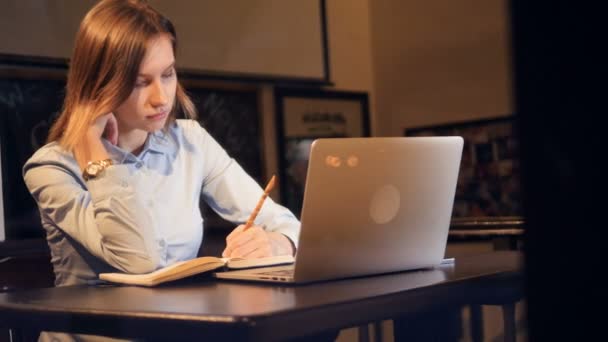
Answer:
(489, 178)
(302, 117)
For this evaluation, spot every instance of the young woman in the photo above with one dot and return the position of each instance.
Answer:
(118, 185)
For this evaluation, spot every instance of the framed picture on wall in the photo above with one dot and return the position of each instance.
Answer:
(304, 115)
(489, 179)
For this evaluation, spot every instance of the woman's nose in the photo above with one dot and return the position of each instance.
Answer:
(158, 97)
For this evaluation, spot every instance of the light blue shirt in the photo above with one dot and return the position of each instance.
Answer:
(143, 212)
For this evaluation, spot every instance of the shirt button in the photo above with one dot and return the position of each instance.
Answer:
(150, 203)
(124, 184)
(138, 165)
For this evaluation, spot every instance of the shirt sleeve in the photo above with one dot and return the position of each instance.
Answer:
(233, 193)
(109, 218)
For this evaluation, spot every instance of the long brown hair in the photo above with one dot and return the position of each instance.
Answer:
(110, 45)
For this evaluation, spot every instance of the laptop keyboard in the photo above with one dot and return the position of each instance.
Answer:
(281, 273)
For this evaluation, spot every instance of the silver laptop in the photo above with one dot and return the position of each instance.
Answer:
(371, 206)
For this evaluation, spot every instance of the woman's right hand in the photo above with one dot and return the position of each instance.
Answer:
(105, 126)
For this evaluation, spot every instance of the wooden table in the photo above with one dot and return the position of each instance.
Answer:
(209, 308)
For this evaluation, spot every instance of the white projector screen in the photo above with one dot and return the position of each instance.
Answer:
(262, 39)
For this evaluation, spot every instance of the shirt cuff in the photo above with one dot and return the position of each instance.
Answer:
(114, 178)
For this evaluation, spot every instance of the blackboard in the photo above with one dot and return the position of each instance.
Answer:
(28, 107)
(232, 118)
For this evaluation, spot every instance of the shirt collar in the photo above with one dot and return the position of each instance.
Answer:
(160, 141)
(115, 152)
(157, 142)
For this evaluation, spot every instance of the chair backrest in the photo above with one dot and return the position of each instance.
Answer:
(25, 265)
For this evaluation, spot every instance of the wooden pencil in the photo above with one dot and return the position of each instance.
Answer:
(255, 212)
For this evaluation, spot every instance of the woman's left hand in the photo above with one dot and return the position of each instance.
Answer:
(255, 242)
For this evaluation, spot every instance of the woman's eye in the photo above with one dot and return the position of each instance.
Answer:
(169, 74)
(140, 84)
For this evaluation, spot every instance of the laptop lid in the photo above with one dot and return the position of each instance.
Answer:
(374, 205)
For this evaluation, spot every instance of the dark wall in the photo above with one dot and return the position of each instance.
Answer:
(560, 88)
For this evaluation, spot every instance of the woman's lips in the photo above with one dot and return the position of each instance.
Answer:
(158, 116)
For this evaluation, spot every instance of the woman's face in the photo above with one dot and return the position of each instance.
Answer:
(151, 100)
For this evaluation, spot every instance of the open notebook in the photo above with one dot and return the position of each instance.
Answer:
(188, 268)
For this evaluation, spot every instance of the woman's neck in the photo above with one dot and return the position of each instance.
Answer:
(132, 141)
